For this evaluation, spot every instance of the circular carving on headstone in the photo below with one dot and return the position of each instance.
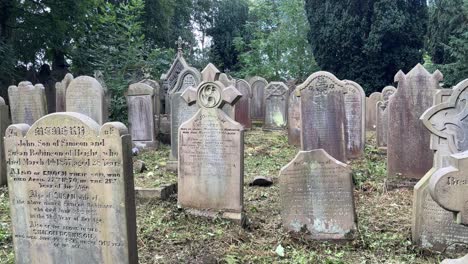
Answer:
(209, 95)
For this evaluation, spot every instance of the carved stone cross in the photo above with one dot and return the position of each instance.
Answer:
(211, 95)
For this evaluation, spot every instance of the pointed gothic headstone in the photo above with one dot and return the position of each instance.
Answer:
(258, 85)
(355, 112)
(85, 95)
(27, 103)
(382, 117)
(276, 106)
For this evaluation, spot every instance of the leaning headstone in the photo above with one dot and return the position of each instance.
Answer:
(294, 119)
(61, 91)
(211, 155)
(316, 193)
(355, 112)
(27, 103)
(276, 106)
(408, 154)
(323, 114)
(242, 110)
(210, 73)
(85, 95)
(4, 123)
(257, 109)
(382, 117)
(140, 101)
(71, 191)
(371, 116)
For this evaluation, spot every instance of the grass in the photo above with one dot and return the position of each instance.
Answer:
(167, 234)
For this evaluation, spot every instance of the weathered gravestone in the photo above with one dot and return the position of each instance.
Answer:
(140, 101)
(157, 103)
(4, 123)
(294, 119)
(45, 78)
(316, 193)
(355, 117)
(276, 106)
(323, 114)
(433, 227)
(85, 95)
(211, 155)
(371, 116)
(99, 76)
(242, 110)
(27, 102)
(382, 117)
(409, 156)
(257, 107)
(71, 191)
(61, 91)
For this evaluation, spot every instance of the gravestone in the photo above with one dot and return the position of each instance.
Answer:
(276, 106)
(71, 191)
(61, 91)
(371, 116)
(169, 79)
(99, 76)
(294, 119)
(323, 114)
(27, 103)
(140, 101)
(45, 78)
(382, 117)
(242, 110)
(355, 118)
(211, 155)
(157, 95)
(408, 154)
(4, 123)
(316, 193)
(257, 107)
(210, 73)
(85, 95)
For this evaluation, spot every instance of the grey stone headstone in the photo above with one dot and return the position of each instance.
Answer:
(85, 95)
(294, 119)
(27, 102)
(371, 116)
(355, 117)
(258, 85)
(4, 123)
(61, 91)
(382, 117)
(276, 106)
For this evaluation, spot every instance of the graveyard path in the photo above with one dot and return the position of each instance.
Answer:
(169, 235)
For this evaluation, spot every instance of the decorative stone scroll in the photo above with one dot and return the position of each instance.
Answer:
(211, 155)
(61, 91)
(316, 193)
(71, 191)
(276, 106)
(294, 119)
(257, 108)
(242, 110)
(4, 123)
(85, 95)
(382, 117)
(355, 117)
(27, 102)
(323, 114)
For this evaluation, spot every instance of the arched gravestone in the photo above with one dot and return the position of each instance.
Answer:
(276, 106)
(169, 79)
(408, 154)
(140, 102)
(243, 105)
(257, 109)
(371, 116)
(294, 119)
(4, 123)
(71, 191)
(85, 95)
(316, 193)
(382, 117)
(433, 227)
(211, 155)
(323, 114)
(27, 102)
(355, 117)
(61, 91)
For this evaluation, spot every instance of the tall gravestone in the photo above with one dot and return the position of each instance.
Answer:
(85, 95)
(433, 227)
(27, 102)
(276, 106)
(99, 76)
(408, 154)
(157, 103)
(258, 85)
(382, 117)
(211, 155)
(294, 119)
(316, 193)
(242, 110)
(61, 91)
(140, 102)
(4, 123)
(71, 191)
(371, 116)
(323, 114)
(355, 113)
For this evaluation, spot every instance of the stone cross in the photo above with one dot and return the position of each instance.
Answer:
(211, 95)
(180, 44)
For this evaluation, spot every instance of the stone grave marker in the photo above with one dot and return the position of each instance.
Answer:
(4, 123)
(61, 90)
(27, 102)
(316, 193)
(355, 112)
(85, 95)
(294, 119)
(47, 79)
(276, 106)
(242, 109)
(140, 101)
(257, 108)
(382, 117)
(210, 73)
(323, 114)
(71, 191)
(99, 76)
(371, 116)
(157, 95)
(408, 154)
(211, 155)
